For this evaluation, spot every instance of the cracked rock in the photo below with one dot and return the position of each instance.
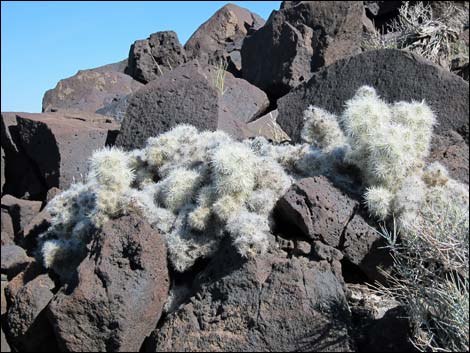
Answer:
(268, 303)
(324, 213)
(117, 294)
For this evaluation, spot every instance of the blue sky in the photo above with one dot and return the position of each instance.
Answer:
(45, 41)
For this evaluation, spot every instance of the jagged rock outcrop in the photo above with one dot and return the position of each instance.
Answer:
(299, 39)
(220, 38)
(152, 57)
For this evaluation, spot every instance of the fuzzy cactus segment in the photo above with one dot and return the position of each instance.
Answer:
(187, 184)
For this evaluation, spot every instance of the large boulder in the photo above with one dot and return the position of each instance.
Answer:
(59, 144)
(220, 38)
(324, 213)
(118, 293)
(297, 40)
(90, 90)
(21, 176)
(190, 94)
(267, 303)
(152, 57)
(397, 76)
(27, 322)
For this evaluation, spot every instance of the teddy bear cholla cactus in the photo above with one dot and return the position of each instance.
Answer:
(195, 187)
(388, 143)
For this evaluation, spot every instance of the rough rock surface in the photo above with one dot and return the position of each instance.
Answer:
(60, 143)
(8, 232)
(268, 303)
(118, 293)
(27, 322)
(152, 57)
(30, 272)
(89, 90)
(299, 39)
(20, 211)
(221, 37)
(189, 95)
(397, 76)
(39, 224)
(379, 324)
(268, 127)
(452, 151)
(322, 212)
(14, 260)
(22, 179)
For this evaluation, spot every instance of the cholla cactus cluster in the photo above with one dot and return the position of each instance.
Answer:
(388, 143)
(198, 187)
(195, 187)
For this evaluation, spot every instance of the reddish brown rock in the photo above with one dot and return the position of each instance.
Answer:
(299, 39)
(117, 297)
(20, 211)
(30, 272)
(450, 149)
(8, 233)
(22, 180)
(14, 260)
(39, 224)
(267, 303)
(89, 90)
(322, 212)
(60, 143)
(152, 57)
(189, 95)
(220, 38)
(27, 322)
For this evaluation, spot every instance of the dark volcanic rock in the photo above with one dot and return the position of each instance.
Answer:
(60, 143)
(451, 150)
(39, 224)
(20, 211)
(14, 260)
(118, 293)
(221, 37)
(268, 303)
(299, 39)
(22, 178)
(152, 57)
(189, 95)
(27, 322)
(30, 272)
(8, 232)
(396, 75)
(322, 212)
(90, 90)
